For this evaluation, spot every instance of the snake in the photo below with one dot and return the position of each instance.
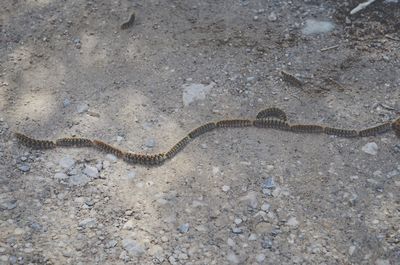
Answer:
(273, 118)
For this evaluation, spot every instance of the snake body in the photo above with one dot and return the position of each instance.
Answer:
(274, 118)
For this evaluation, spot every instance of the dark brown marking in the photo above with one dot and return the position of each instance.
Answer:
(234, 123)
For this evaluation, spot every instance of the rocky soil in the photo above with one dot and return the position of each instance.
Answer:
(239, 196)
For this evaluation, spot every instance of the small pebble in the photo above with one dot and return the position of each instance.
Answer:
(111, 244)
(132, 247)
(292, 222)
(83, 107)
(91, 172)
(238, 221)
(66, 103)
(88, 223)
(67, 162)
(255, 18)
(78, 180)
(230, 242)
(184, 228)
(269, 183)
(150, 143)
(272, 17)
(260, 258)
(237, 230)
(232, 258)
(370, 148)
(24, 167)
(60, 176)
(112, 158)
(252, 237)
(225, 188)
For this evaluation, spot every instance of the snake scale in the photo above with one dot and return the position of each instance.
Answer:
(274, 118)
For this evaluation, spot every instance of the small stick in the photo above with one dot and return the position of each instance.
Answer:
(361, 6)
(329, 48)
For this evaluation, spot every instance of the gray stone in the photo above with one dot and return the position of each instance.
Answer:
(83, 107)
(8, 204)
(184, 228)
(24, 167)
(132, 247)
(78, 180)
(260, 258)
(60, 176)
(292, 222)
(232, 258)
(66, 103)
(67, 162)
(237, 230)
(272, 17)
(370, 148)
(91, 172)
(150, 143)
(111, 243)
(382, 262)
(269, 183)
(88, 223)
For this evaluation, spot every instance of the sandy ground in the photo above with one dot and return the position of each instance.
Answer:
(239, 196)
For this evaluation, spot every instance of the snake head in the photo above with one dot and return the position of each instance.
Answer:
(396, 127)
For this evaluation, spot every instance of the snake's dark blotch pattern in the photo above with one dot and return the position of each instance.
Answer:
(274, 118)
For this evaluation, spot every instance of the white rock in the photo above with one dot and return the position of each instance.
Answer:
(370, 148)
(193, 92)
(112, 158)
(316, 27)
(132, 247)
(272, 17)
(292, 222)
(91, 172)
(225, 188)
(67, 162)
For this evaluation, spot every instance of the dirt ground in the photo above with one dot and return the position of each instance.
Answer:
(238, 196)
